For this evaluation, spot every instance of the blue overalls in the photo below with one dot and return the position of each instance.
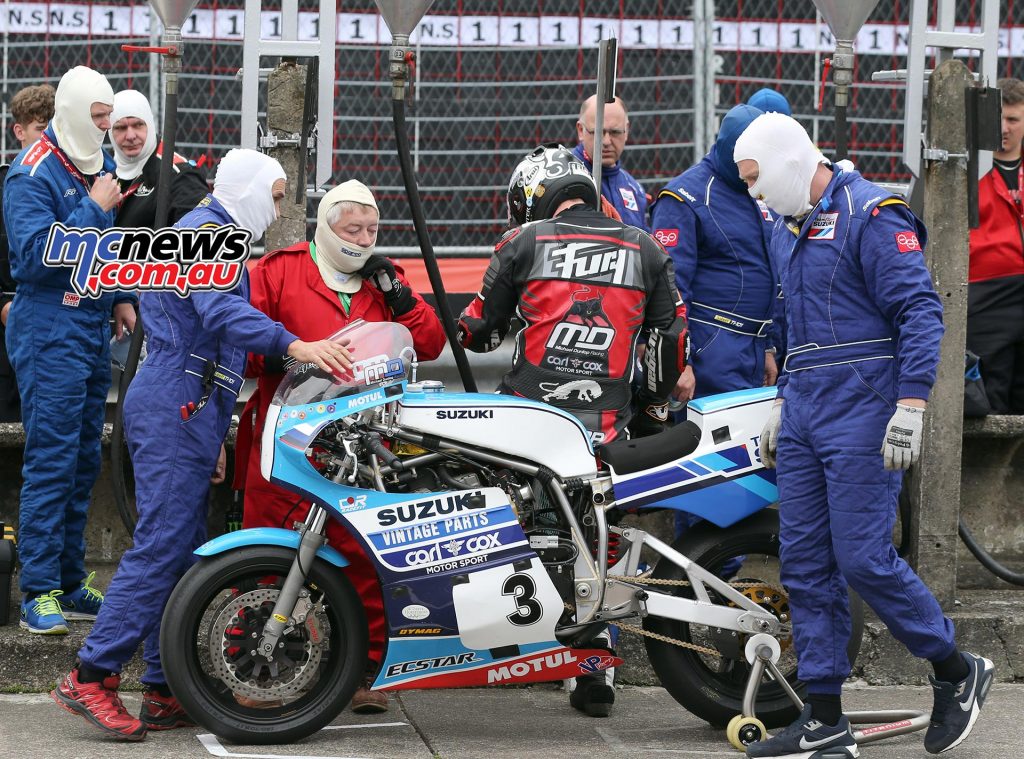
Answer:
(58, 343)
(863, 330)
(718, 237)
(621, 190)
(196, 354)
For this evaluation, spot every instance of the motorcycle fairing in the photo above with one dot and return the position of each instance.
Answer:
(723, 480)
(506, 424)
(445, 663)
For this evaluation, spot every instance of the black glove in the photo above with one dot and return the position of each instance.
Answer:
(381, 272)
(649, 419)
(277, 364)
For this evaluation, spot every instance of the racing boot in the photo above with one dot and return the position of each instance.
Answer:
(957, 705)
(808, 738)
(594, 694)
(162, 711)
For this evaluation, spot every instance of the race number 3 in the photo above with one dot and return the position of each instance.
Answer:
(528, 609)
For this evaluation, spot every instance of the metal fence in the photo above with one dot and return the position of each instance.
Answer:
(493, 79)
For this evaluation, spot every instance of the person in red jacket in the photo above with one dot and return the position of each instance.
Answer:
(995, 295)
(315, 289)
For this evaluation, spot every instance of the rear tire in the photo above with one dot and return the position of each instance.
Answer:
(712, 687)
(218, 610)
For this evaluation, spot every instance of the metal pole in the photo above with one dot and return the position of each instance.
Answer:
(605, 94)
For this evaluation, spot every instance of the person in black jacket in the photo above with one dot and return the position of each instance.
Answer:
(32, 109)
(589, 289)
(138, 153)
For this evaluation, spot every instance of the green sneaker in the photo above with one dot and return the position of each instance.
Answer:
(42, 615)
(83, 603)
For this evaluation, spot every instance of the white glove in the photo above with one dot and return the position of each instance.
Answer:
(902, 444)
(770, 435)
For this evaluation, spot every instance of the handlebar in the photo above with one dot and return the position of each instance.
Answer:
(375, 445)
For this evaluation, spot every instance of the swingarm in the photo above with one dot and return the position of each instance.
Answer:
(621, 591)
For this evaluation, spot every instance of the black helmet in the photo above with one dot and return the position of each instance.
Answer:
(543, 179)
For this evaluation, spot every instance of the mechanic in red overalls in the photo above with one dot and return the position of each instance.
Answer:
(315, 289)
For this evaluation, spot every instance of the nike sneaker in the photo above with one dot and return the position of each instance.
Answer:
(808, 738)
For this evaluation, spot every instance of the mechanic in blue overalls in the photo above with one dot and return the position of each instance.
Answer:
(58, 342)
(863, 329)
(718, 238)
(177, 412)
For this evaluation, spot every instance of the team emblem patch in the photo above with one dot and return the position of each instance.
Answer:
(628, 199)
(823, 227)
(667, 237)
(766, 213)
(907, 242)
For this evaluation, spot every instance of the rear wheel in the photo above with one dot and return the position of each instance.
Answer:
(211, 627)
(711, 687)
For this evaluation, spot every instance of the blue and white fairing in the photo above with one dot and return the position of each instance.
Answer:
(723, 480)
(466, 599)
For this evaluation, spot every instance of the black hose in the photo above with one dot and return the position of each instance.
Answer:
(429, 259)
(163, 203)
(984, 558)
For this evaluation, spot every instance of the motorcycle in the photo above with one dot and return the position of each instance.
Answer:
(504, 544)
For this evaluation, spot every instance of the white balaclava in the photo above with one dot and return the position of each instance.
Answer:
(132, 104)
(786, 162)
(340, 260)
(77, 136)
(244, 186)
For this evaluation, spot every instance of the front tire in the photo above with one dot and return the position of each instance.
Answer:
(217, 612)
(711, 687)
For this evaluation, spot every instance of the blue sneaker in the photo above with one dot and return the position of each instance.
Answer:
(808, 738)
(957, 705)
(83, 603)
(42, 615)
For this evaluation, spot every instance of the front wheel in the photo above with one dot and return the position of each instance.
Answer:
(711, 687)
(213, 622)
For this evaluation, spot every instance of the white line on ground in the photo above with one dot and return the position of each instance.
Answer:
(214, 747)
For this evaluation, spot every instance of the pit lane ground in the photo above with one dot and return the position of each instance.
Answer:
(501, 723)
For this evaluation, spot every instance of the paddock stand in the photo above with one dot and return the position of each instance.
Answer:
(763, 652)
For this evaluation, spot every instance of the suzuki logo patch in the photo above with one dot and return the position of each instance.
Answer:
(628, 199)
(907, 242)
(667, 237)
(766, 213)
(823, 227)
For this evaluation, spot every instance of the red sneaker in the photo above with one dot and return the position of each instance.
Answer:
(100, 705)
(162, 712)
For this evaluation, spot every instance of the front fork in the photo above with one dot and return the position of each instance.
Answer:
(312, 530)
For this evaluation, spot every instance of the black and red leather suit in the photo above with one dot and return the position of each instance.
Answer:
(587, 288)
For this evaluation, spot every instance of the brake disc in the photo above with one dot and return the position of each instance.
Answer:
(234, 635)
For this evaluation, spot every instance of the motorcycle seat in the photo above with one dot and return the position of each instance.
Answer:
(628, 456)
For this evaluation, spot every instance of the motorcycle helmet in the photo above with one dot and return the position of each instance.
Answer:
(543, 179)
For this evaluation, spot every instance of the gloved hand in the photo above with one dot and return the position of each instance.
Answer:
(902, 444)
(770, 435)
(649, 420)
(381, 272)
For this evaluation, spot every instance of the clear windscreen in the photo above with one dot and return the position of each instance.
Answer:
(382, 354)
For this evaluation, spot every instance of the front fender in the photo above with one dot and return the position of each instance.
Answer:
(266, 536)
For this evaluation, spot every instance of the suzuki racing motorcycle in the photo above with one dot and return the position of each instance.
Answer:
(503, 543)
